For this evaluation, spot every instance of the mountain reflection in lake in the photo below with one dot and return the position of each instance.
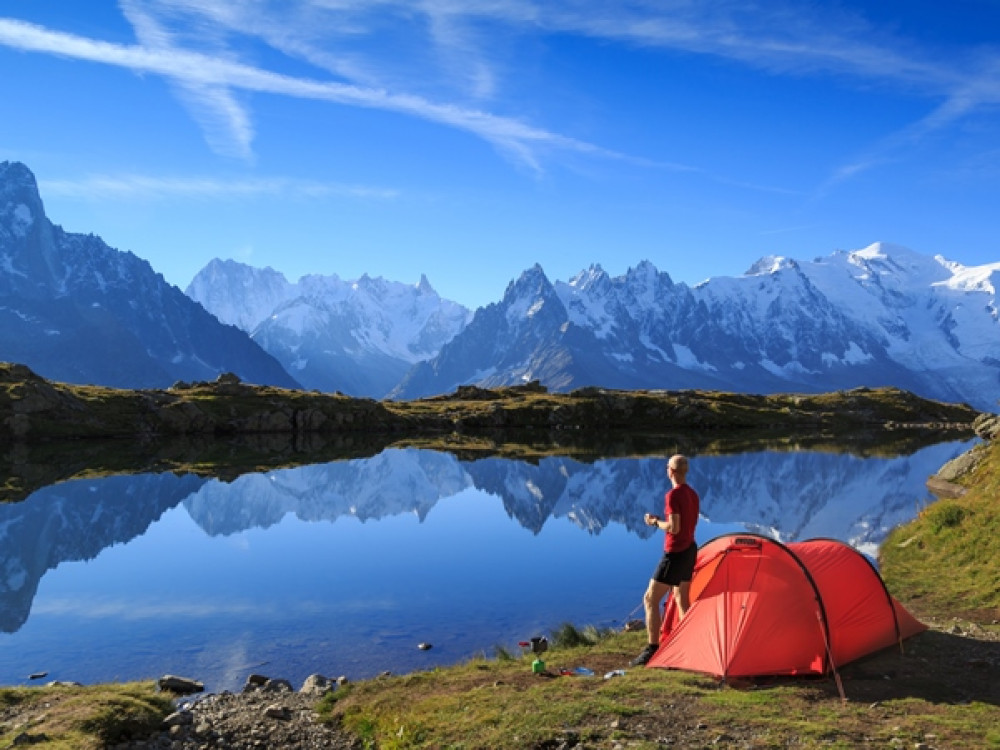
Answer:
(343, 568)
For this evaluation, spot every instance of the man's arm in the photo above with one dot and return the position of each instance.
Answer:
(671, 525)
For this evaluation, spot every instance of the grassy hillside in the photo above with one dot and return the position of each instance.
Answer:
(947, 561)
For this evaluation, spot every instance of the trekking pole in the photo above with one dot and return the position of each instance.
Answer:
(628, 617)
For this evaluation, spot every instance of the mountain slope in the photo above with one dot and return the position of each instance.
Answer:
(359, 337)
(879, 316)
(75, 310)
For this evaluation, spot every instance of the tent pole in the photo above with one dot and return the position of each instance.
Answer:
(829, 656)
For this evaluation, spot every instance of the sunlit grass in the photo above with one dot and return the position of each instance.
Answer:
(960, 536)
(81, 718)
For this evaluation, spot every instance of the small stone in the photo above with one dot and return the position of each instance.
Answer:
(274, 711)
(278, 686)
(178, 718)
(317, 684)
(181, 685)
(28, 739)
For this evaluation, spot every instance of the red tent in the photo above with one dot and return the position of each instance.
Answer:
(760, 607)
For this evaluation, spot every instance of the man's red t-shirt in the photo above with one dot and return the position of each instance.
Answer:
(683, 501)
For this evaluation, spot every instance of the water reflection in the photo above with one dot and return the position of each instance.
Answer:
(343, 567)
(788, 496)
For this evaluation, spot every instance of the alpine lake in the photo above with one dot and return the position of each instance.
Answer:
(393, 558)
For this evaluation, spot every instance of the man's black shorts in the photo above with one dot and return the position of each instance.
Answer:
(676, 567)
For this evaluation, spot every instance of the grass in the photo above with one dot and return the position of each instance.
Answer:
(81, 718)
(946, 559)
(484, 703)
(501, 705)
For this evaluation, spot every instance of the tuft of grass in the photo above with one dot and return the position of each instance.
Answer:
(568, 635)
(946, 514)
(84, 718)
(505, 654)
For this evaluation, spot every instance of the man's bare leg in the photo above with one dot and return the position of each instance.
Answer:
(682, 594)
(651, 601)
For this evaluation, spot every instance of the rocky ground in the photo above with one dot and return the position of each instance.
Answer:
(952, 662)
(253, 719)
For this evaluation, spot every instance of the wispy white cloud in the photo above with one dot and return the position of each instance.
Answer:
(455, 52)
(102, 187)
(200, 72)
(980, 93)
(784, 38)
(224, 121)
(788, 39)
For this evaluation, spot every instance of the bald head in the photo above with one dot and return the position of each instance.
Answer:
(678, 464)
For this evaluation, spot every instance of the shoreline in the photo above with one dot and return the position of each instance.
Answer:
(936, 695)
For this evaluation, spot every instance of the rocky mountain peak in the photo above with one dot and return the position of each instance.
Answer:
(78, 310)
(18, 185)
(424, 286)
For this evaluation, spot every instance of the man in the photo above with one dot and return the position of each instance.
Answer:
(680, 516)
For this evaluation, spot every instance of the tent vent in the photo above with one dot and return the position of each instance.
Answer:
(746, 541)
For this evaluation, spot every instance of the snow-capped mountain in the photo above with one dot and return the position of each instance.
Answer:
(76, 310)
(359, 337)
(880, 316)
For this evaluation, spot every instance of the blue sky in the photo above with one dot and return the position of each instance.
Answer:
(468, 140)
